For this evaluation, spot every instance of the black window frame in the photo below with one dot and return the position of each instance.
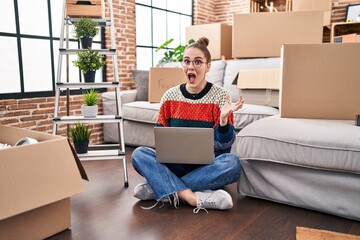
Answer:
(154, 47)
(51, 39)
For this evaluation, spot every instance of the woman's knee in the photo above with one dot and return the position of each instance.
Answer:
(231, 162)
(140, 154)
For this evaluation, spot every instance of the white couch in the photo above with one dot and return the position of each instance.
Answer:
(309, 163)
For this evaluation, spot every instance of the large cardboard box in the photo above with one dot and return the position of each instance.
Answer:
(36, 183)
(260, 86)
(89, 8)
(311, 5)
(219, 35)
(161, 79)
(320, 81)
(262, 34)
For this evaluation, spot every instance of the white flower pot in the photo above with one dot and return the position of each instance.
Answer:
(89, 111)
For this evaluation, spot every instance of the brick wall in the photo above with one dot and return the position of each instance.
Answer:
(37, 113)
(223, 10)
(218, 10)
(338, 13)
(125, 39)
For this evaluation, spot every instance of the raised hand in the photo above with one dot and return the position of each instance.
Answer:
(228, 108)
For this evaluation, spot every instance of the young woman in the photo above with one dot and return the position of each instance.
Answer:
(196, 103)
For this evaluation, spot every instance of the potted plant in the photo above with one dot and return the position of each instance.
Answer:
(85, 29)
(90, 107)
(88, 61)
(175, 55)
(80, 134)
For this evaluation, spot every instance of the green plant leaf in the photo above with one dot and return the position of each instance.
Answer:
(165, 44)
(85, 27)
(90, 97)
(89, 60)
(80, 132)
(175, 55)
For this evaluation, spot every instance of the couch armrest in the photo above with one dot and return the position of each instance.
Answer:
(127, 96)
(108, 100)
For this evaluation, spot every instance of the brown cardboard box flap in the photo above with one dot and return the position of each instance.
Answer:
(78, 163)
(259, 79)
(35, 175)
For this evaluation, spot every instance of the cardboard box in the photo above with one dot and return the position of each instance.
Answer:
(320, 81)
(260, 86)
(259, 79)
(262, 34)
(92, 8)
(161, 79)
(264, 97)
(311, 5)
(347, 38)
(219, 36)
(36, 183)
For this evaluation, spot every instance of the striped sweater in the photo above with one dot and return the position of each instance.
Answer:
(179, 108)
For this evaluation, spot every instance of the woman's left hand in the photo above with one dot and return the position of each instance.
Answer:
(228, 108)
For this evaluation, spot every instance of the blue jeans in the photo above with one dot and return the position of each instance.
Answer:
(166, 179)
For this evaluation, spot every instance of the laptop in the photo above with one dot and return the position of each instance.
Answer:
(184, 145)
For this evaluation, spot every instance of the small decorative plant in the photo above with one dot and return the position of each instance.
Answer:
(85, 29)
(91, 97)
(88, 61)
(175, 55)
(90, 107)
(80, 134)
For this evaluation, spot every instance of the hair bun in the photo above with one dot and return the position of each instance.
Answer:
(203, 40)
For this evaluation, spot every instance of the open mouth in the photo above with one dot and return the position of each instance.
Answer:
(191, 77)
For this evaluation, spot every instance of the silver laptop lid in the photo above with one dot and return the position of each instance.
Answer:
(184, 145)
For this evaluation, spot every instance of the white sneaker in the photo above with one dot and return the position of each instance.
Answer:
(218, 199)
(143, 191)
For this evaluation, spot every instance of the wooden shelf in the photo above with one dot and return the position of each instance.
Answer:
(343, 28)
(280, 5)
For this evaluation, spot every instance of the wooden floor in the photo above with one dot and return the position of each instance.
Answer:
(107, 210)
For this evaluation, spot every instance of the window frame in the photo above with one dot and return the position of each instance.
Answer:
(153, 47)
(51, 39)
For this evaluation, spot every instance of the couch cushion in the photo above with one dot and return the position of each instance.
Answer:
(146, 112)
(216, 73)
(141, 78)
(250, 113)
(141, 111)
(313, 143)
(234, 66)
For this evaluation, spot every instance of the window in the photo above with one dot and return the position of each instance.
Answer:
(156, 22)
(30, 46)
